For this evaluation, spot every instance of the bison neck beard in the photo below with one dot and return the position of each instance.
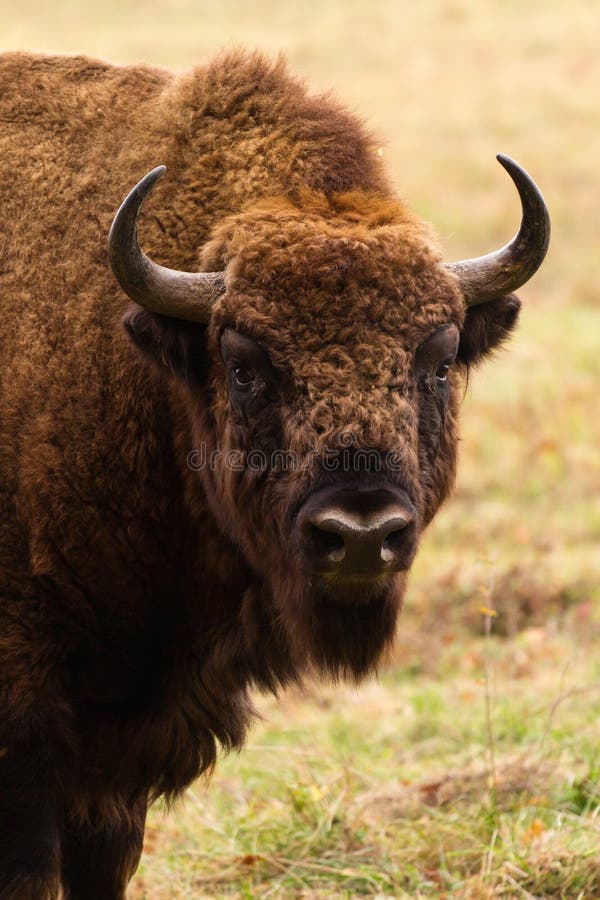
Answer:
(340, 632)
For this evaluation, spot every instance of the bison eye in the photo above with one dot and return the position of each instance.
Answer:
(244, 376)
(441, 373)
(434, 357)
(247, 362)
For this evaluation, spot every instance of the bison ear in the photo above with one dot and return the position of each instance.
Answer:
(179, 347)
(487, 326)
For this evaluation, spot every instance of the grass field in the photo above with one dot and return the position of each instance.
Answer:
(471, 768)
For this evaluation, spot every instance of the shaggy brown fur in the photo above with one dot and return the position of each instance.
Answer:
(139, 599)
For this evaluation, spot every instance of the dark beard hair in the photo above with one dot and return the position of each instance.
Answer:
(340, 638)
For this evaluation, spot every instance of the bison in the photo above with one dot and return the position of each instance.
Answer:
(217, 466)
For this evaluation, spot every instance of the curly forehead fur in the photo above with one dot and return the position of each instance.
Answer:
(315, 260)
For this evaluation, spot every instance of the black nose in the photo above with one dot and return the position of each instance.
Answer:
(351, 532)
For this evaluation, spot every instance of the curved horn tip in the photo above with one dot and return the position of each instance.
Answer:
(513, 168)
(507, 161)
(145, 184)
(521, 177)
(157, 172)
(126, 215)
(517, 173)
(531, 197)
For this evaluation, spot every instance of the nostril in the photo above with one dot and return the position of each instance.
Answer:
(393, 544)
(326, 544)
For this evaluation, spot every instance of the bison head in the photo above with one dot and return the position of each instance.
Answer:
(323, 360)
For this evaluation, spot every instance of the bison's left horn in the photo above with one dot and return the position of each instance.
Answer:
(502, 272)
(183, 295)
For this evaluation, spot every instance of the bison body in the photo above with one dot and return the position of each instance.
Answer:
(149, 574)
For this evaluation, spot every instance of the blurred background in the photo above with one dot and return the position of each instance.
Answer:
(470, 768)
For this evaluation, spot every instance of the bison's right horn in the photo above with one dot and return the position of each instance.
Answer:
(183, 295)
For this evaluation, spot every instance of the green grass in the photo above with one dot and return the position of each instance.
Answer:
(471, 768)
(394, 790)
